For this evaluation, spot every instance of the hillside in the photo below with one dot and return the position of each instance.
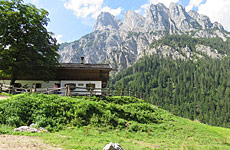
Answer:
(122, 43)
(198, 90)
(185, 47)
(93, 122)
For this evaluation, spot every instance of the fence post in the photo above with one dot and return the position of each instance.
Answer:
(10, 89)
(35, 88)
(67, 90)
(108, 91)
(122, 91)
(91, 91)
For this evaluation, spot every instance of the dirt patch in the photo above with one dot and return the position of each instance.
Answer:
(12, 142)
(3, 97)
(146, 144)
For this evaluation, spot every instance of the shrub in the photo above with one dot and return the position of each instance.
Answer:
(56, 112)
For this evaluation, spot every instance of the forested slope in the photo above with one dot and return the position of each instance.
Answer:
(193, 89)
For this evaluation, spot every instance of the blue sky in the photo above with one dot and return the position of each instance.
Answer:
(72, 19)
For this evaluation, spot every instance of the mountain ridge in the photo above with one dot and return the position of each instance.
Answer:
(122, 43)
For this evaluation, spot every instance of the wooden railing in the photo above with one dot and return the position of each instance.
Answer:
(14, 90)
(103, 91)
(67, 91)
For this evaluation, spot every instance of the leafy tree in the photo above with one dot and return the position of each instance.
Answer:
(27, 49)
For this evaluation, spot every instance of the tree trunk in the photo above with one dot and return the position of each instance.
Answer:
(13, 79)
(11, 88)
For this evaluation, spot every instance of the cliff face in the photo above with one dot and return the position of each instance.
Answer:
(106, 21)
(122, 44)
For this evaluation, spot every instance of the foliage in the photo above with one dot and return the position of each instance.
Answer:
(55, 112)
(25, 43)
(197, 90)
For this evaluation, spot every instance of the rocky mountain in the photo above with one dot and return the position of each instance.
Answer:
(107, 21)
(122, 43)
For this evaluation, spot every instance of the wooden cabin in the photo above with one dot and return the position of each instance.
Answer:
(76, 75)
(83, 74)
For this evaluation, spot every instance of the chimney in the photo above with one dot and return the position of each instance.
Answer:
(82, 60)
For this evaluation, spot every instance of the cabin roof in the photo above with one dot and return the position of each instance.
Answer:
(85, 66)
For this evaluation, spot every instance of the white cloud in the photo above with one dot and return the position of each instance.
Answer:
(114, 12)
(58, 38)
(165, 2)
(217, 10)
(143, 8)
(35, 1)
(193, 3)
(92, 8)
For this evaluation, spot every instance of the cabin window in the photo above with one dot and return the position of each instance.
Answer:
(71, 85)
(90, 86)
(80, 84)
(38, 85)
(58, 85)
(17, 85)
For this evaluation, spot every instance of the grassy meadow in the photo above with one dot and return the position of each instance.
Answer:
(89, 123)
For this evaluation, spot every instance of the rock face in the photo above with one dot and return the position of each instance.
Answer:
(132, 22)
(107, 21)
(213, 53)
(203, 20)
(112, 146)
(181, 18)
(122, 44)
(157, 18)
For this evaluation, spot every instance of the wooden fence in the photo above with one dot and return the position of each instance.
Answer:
(67, 91)
(14, 90)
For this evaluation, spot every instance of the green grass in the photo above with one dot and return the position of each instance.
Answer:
(5, 94)
(168, 132)
(182, 134)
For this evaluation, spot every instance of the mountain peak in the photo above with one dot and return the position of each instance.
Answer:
(132, 21)
(203, 20)
(107, 21)
(174, 19)
(181, 18)
(159, 6)
(157, 18)
(217, 25)
(121, 45)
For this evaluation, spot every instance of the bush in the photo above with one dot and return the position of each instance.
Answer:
(56, 112)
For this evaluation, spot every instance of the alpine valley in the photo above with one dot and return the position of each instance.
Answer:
(174, 59)
(170, 87)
